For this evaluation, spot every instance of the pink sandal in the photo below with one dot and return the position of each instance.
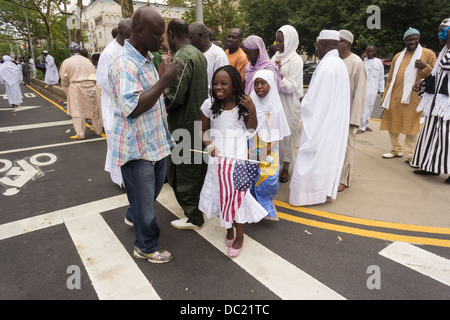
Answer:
(229, 242)
(233, 253)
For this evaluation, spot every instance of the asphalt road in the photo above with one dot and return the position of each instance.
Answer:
(62, 237)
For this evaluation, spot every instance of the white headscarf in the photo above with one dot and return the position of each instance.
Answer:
(272, 122)
(10, 72)
(291, 43)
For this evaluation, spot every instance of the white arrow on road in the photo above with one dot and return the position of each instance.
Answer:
(20, 108)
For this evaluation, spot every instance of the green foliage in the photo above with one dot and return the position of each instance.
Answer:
(264, 17)
(218, 15)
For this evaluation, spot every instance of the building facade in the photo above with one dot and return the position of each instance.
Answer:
(100, 17)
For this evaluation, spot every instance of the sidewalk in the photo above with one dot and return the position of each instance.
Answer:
(387, 189)
(381, 189)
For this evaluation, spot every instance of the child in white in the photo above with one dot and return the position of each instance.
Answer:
(225, 121)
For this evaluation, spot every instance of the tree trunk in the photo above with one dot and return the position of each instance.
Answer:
(127, 8)
(78, 30)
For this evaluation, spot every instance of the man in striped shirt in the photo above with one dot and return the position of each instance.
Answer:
(140, 136)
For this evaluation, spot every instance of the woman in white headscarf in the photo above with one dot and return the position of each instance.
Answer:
(291, 69)
(11, 75)
(272, 128)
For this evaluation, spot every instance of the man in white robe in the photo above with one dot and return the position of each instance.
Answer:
(110, 51)
(375, 84)
(215, 56)
(51, 73)
(32, 66)
(11, 75)
(325, 117)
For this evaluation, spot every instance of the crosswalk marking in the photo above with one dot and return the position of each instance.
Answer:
(46, 220)
(109, 265)
(280, 276)
(36, 126)
(419, 260)
(54, 145)
(113, 272)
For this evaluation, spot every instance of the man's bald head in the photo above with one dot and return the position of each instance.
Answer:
(147, 30)
(123, 30)
(199, 35)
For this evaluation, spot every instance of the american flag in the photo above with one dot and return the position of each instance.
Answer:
(235, 177)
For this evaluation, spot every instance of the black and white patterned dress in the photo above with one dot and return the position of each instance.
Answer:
(433, 146)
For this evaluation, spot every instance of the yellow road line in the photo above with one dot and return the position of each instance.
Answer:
(366, 233)
(47, 99)
(87, 124)
(373, 223)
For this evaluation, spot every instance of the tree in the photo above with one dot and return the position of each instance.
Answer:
(218, 15)
(44, 8)
(264, 17)
(312, 16)
(126, 7)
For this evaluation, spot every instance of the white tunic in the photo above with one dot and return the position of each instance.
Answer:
(11, 75)
(216, 58)
(229, 135)
(106, 104)
(375, 83)
(51, 73)
(291, 89)
(323, 140)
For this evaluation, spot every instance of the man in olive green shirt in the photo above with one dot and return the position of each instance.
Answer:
(184, 97)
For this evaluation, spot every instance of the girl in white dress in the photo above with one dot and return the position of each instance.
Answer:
(226, 119)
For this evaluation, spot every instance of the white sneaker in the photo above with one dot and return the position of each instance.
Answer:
(393, 154)
(183, 224)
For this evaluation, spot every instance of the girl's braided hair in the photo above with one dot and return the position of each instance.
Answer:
(238, 92)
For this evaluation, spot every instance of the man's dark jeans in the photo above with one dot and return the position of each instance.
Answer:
(143, 182)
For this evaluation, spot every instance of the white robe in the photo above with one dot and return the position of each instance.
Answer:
(107, 108)
(291, 90)
(323, 140)
(216, 58)
(11, 75)
(375, 83)
(51, 73)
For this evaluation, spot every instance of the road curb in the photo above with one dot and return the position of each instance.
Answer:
(55, 89)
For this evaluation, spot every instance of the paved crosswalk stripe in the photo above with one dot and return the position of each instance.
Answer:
(113, 272)
(280, 276)
(46, 220)
(420, 260)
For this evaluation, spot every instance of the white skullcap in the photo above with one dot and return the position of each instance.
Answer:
(45, 51)
(329, 35)
(346, 35)
(446, 22)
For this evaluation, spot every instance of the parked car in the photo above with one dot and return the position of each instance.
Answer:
(307, 74)
(386, 62)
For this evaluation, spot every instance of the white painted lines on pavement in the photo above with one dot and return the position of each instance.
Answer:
(113, 272)
(420, 260)
(280, 276)
(20, 108)
(52, 145)
(45, 220)
(36, 126)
